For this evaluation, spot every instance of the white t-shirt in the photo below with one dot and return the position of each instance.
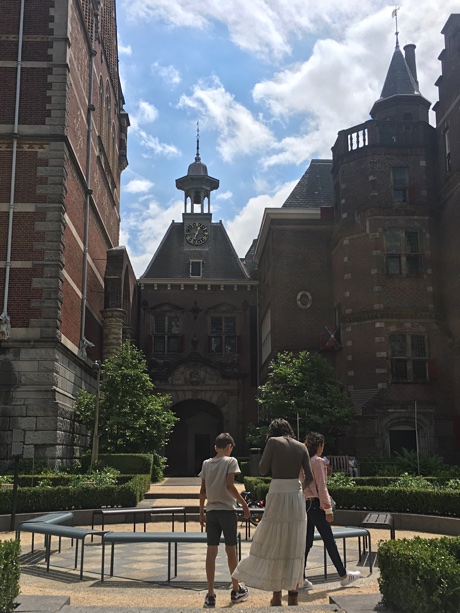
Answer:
(214, 472)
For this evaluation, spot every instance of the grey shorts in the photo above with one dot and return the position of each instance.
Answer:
(218, 522)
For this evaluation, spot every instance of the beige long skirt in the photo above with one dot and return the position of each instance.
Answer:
(276, 557)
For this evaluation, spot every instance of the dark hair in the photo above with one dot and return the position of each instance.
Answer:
(313, 441)
(280, 427)
(223, 440)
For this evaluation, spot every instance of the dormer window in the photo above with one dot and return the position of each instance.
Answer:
(196, 268)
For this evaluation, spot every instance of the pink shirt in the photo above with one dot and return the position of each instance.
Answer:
(318, 489)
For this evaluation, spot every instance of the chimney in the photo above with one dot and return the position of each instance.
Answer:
(409, 51)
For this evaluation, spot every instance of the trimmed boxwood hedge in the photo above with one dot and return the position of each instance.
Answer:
(126, 463)
(445, 503)
(420, 575)
(9, 575)
(39, 500)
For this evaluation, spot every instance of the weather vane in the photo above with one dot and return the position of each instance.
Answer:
(395, 15)
(198, 141)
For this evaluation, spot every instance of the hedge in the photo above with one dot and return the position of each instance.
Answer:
(445, 503)
(420, 575)
(9, 575)
(126, 463)
(39, 500)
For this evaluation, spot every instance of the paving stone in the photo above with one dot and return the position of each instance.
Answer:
(41, 604)
(359, 603)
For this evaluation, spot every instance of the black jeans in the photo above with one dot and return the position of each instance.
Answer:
(317, 519)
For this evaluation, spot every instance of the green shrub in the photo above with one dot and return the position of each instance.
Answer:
(9, 575)
(420, 575)
(257, 486)
(126, 463)
(341, 480)
(412, 482)
(37, 499)
(159, 464)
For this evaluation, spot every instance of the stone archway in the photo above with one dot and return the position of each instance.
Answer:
(192, 439)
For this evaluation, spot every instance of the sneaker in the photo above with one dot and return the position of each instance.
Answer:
(210, 601)
(240, 594)
(351, 576)
(306, 585)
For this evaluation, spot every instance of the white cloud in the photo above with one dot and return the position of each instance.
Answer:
(244, 227)
(124, 50)
(224, 195)
(143, 228)
(155, 147)
(138, 186)
(169, 74)
(240, 133)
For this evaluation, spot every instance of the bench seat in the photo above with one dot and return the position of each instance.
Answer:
(143, 512)
(170, 538)
(57, 517)
(345, 532)
(50, 530)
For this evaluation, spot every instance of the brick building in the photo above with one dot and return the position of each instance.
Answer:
(62, 149)
(362, 263)
(198, 327)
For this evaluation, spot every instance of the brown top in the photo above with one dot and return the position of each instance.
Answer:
(283, 457)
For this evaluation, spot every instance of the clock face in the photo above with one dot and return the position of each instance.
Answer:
(196, 233)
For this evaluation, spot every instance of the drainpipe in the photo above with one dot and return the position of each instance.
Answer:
(85, 343)
(5, 327)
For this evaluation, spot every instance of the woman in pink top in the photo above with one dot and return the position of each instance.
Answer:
(319, 510)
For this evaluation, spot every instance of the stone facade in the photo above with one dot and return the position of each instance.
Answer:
(64, 142)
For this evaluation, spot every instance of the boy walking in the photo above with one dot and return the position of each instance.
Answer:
(218, 487)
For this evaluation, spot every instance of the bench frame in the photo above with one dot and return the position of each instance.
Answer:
(135, 511)
(155, 537)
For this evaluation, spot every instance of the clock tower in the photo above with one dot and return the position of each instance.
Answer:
(197, 186)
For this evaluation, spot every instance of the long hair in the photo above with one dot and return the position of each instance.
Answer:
(280, 427)
(313, 441)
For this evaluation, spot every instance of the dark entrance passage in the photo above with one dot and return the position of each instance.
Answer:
(192, 439)
(402, 439)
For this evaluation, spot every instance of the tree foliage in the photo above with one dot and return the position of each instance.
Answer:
(133, 417)
(304, 386)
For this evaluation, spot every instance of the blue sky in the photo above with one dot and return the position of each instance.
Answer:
(271, 83)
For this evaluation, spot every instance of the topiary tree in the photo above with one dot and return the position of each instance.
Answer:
(303, 388)
(133, 417)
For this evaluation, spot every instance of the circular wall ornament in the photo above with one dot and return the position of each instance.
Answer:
(304, 299)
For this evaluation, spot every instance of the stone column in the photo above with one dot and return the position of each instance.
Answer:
(113, 330)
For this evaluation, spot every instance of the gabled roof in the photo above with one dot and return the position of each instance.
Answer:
(315, 189)
(399, 79)
(220, 260)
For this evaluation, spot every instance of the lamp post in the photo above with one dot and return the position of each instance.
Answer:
(95, 447)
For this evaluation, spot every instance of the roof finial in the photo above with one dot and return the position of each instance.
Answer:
(395, 15)
(197, 157)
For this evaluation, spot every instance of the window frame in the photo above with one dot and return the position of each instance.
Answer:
(223, 336)
(407, 366)
(400, 187)
(167, 337)
(408, 261)
(191, 263)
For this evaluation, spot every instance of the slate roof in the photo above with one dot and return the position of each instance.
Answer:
(399, 79)
(315, 188)
(220, 260)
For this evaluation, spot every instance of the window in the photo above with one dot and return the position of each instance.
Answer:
(113, 149)
(222, 338)
(266, 336)
(403, 256)
(447, 150)
(166, 337)
(196, 268)
(408, 355)
(101, 109)
(108, 117)
(407, 116)
(400, 183)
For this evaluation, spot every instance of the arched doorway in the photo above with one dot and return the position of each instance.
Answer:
(192, 439)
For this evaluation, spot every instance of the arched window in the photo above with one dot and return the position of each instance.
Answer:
(108, 116)
(101, 109)
(113, 146)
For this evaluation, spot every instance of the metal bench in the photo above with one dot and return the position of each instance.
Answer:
(144, 512)
(345, 533)
(49, 530)
(58, 517)
(113, 538)
(380, 520)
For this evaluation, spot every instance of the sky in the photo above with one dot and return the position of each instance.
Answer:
(270, 82)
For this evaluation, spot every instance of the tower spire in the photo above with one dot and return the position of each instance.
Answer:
(197, 157)
(395, 15)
